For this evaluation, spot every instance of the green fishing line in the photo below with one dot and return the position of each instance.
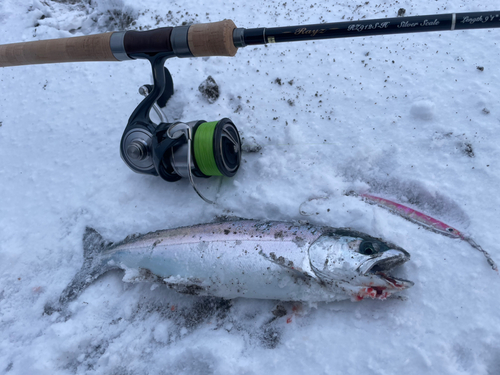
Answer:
(204, 149)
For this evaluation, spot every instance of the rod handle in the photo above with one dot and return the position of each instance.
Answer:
(81, 48)
(212, 39)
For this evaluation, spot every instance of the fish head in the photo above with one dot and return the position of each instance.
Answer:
(358, 264)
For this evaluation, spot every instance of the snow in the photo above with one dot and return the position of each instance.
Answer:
(408, 117)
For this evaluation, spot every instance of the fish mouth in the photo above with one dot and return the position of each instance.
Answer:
(379, 266)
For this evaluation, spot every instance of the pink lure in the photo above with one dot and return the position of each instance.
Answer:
(427, 222)
(415, 216)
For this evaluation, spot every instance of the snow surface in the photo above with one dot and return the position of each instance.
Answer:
(409, 117)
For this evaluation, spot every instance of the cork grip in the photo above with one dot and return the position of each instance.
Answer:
(212, 39)
(81, 48)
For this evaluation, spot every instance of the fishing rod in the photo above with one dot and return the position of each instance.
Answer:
(200, 148)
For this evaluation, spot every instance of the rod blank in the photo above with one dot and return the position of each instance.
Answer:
(382, 26)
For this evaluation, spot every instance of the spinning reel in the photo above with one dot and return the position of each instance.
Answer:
(176, 150)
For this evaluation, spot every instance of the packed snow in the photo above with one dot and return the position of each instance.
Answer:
(413, 118)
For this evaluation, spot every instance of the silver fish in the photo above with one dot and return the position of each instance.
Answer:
(251, 259)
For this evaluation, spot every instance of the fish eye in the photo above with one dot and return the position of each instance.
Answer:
(368, 248)
(368, 251)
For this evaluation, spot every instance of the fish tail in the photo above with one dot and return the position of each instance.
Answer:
(93, 266)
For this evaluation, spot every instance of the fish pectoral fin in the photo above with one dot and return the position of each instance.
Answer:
(286, 263)
(190, 286)
(178, 280)
(325, 277)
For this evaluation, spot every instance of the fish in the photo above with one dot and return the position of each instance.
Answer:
(251, 259)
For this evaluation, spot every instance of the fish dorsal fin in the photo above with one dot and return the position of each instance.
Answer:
(227, 218)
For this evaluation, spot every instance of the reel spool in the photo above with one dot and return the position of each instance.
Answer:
(177, 150)
(216, 148)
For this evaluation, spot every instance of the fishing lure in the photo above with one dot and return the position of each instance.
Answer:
(426, 222)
